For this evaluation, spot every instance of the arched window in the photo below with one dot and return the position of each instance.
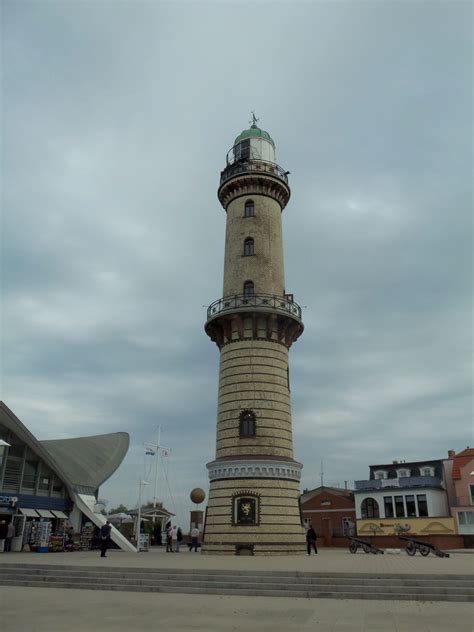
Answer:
(248, 288)
(369, 508)
(380, 474)
(248, 247)
(247, 425)
(249, 209)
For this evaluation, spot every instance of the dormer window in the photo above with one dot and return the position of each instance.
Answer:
(403, 473)
(426, 470)
(380, 474)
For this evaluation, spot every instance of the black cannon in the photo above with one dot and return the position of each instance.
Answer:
(367, 547)
(425, 548)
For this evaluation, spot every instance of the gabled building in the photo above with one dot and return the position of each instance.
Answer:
(402, 497)
(460, 474)
(331, 511)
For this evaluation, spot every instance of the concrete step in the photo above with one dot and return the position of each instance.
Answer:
(290, 584)
(250, 582)
(231, 587)
(326, 594)
(275, 575)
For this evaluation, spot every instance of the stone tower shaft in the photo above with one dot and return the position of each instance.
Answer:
(254, 481)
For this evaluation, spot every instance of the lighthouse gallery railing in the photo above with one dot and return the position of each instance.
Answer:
(268, 301)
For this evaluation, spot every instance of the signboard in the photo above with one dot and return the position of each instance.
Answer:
(143, 541)
(8, 501)
(44, 531)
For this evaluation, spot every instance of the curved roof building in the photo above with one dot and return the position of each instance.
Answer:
(56, 478)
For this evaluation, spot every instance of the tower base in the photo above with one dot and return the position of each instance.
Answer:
(274, 523)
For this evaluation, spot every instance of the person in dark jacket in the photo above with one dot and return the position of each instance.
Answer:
(3, 534)
(311, 538)
(105, 538)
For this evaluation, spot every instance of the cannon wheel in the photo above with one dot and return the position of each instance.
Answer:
(353, 547)
(424, 550)
(411, 548)
(366, 548)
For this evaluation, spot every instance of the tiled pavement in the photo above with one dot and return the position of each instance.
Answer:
(61, 610)
(327, 561)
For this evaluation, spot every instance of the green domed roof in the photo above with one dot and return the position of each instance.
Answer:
(253, 132)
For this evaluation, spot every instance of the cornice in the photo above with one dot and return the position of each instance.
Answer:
(257, 468)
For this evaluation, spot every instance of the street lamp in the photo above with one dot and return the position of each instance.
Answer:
(139, 515)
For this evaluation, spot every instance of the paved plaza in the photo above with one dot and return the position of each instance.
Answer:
(61, 610)
(48, 610)
(327, 561)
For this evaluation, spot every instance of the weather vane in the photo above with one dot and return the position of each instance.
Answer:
(254, 119)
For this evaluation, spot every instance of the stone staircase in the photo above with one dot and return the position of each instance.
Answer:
(243, 583)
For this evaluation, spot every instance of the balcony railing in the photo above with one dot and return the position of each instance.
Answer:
(404, 481)
(264, 301)
(250, 166)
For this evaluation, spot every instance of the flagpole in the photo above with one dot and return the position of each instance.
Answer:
(156, 468)
(157, 450)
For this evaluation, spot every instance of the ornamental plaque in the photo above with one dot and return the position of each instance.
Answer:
(246, 509)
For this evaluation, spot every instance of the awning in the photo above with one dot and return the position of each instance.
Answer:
(31, 513)
(59, 514)
(45, 513)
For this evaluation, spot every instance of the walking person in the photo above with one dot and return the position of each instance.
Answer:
(105, 531)
(194, 539)
(169, 543)
(10, 536)
(311, 538)
(179, 539)
(3, 534)
(174, 539)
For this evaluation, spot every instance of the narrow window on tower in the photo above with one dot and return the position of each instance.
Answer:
(247, 425)
(249, 209)
(248, 289)
(248, 247)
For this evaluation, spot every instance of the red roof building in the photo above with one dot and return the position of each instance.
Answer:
(460, 481)
(331, 511)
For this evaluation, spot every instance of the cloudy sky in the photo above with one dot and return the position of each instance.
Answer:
(117, 117)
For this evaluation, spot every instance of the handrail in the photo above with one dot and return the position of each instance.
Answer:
(267, 301)
(246, 166)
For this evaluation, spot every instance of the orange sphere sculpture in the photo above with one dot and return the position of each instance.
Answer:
(197, 495)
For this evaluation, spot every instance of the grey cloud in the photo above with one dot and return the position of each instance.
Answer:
(117, 119)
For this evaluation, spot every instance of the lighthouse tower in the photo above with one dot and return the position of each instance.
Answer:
(253, 505)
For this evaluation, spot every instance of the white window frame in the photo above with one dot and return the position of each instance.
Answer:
(403, 472)
(380, 475)
(466, 521)
(426, 467)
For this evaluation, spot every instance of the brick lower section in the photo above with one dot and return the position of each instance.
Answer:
(279, 530)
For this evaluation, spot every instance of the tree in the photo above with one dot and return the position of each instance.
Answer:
(119, 509)
(149, 505)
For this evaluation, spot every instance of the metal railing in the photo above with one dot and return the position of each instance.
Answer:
(252, 166)
(404, 481)
(241, 301)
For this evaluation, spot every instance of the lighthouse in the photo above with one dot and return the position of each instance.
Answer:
(253, 503)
